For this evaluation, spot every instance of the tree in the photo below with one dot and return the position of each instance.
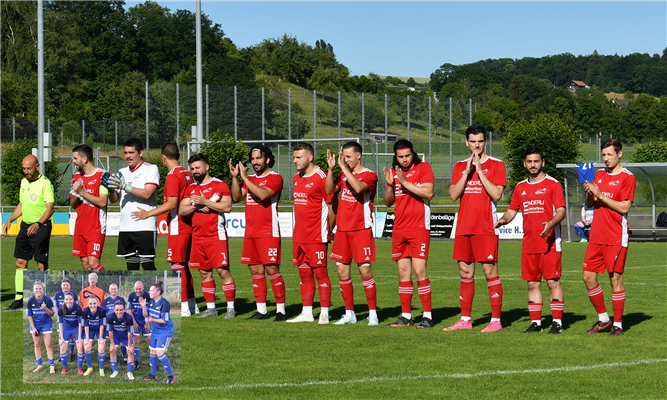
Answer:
(650, 152)
(636, 123)
(220, 150)
(558, 140)
(453, 90)
(12, 174)
(411, 82)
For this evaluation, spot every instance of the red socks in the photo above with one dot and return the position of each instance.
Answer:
(208, 288)
(557, 308)
(405, 291)
(187, 290)
(597, 298)
(230, 290)
(618, 304)
(535, 311)
(278, 287)
(347, 292)
(467, 293)
(495, 295)
(307, 284)
(424, 290)
(324, 286)
(259, 287)
(371, 292)
(99, 268)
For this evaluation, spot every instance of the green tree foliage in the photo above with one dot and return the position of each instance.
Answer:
(558, 140)
(453, 90)
(411, 82)
(650, 152)
(390, 80)
(220, 150)
(637, 124)
(12, 170)
(281, 123)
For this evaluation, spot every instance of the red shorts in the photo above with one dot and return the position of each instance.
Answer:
(601, 257)
(357, 245)
(480, 248)
(209, 255)
(314, 254)
(537, 265)
(89, 245)
(414, 244)
(178, 248)
(261, 251)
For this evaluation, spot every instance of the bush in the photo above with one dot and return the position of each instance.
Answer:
(219, 150)
(650, 152)
(558, 141)
(12, 172)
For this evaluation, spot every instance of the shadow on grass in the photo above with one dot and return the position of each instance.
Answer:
(444, 313)
(633, 319)
(570, 319)
(7, 295)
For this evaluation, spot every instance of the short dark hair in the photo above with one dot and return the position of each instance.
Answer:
(66, 280)
(85, 151)
(119, 302)
(304, 146)
(618, 146)
(353, 145)
(475, 129)
(170, 150)
(136, 143)
(265, 151)
(533, 150)
(198, 157)
(405, 144)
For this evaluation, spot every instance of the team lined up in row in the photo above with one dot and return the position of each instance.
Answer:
(196, 204)
(97, 317)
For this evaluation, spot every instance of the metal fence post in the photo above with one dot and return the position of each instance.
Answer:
(104, 132)
(207, 112)
(386, 136)
(147, 144)
(470, 108)
(236, 132)
(429, 130)
(339, 118)
(178, 115)
(451, 140)
(315, 120)
(83, 131)
(363, 114)
(408, 117)
(491, 143)
(263, 122)
(116, 145)
(14, 130)
(289, 136)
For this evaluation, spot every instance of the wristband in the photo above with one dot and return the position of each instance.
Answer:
(39, 223)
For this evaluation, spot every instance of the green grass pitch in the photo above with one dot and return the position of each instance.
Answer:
(263, 359)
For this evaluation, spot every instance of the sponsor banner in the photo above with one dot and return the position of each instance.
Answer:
(513, 230)
(442, 225)
(59, 224)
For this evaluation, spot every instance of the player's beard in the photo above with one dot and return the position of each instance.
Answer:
(198, 177)
(260, 169)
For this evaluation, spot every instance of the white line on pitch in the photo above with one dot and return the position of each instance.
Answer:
(339, 382)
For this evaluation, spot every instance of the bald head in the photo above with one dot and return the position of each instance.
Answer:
(30, 167)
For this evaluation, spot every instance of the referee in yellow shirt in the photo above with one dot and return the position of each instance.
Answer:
(36, 204)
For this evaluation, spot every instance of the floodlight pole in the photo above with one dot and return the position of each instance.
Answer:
(40, 87)
(200, 105)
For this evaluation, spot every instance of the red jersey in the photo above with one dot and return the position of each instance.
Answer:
(538, 202)
(262, 216)
(477, 212)
(176, 185)
(89, 217)
(355, 210)
(411, 211)
(311, 213)
(610, 227)
(209, 226)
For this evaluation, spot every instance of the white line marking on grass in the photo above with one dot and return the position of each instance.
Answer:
(163, 389)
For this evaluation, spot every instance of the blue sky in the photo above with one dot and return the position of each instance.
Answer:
(415, 38)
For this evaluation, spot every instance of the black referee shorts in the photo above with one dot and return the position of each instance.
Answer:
(141, 243)
(38, 245)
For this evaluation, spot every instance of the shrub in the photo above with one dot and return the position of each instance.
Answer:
(12, 172)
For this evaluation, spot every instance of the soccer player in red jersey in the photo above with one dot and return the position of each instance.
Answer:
(541, 200)
(478, 182)
(180, 228)
(206, 202)
(312, 206)
(261, 244)
(354, 236)
(89, 197)
(410, 188)
(612, 194)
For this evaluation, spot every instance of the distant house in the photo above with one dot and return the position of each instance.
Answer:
(621, 103)
(573, 86)
(379, 137)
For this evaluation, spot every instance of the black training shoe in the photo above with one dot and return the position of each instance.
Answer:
(259, 315)
(150, 377)
(280, 317)
(402, 321)
(426, 323)
(533, 328)
(616, 331)
(136, 365)
(555, 328)
(170, 379)
(72, 357)
(16, 305)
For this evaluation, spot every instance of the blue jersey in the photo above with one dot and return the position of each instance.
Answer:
(134, 305)
(94, 320)
(59, 298)
(120, 327)
(160, 309)
(71, 318)
(109, 303)
(39, 316)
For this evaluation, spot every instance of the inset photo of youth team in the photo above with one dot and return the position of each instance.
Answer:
(71, 316)
(338, 208)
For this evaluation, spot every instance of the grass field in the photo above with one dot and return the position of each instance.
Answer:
(262, 359)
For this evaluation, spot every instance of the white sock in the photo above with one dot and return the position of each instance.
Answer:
(466, 318)
(210, 306)
(495, 319)
(427, 314)
(604, 317)
(261, 308)
(280, 308)
(185, 305)
(372, 314)
(307, 310)
(324, 311)
(230, 305)
(558, 321)
(406, 315)
(536, 321)
(349, 313)
(618, 324)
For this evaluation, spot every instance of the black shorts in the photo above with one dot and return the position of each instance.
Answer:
(37, 245)
(140, 244)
